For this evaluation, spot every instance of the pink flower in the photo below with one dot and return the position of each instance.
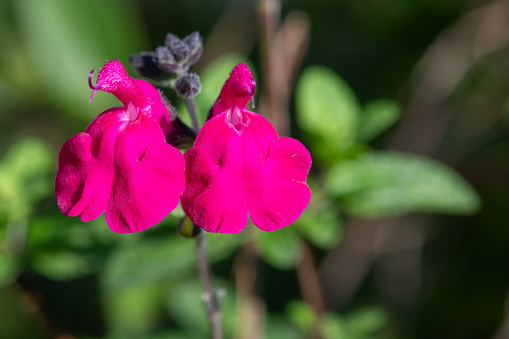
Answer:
(239, 165)
(122, 164)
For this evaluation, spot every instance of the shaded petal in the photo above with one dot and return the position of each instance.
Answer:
(214, 196)
(114, 79)
(82, 185)
(85, 168)
(261, 130)
(157, 110)
(275, 185)
(149, 177)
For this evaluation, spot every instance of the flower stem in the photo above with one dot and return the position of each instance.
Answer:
(209, 296)
(193, 113)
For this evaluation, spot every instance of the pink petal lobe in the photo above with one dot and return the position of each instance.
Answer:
(157, 110)
(114, 79)
(85, 168)
(274, 178)
(214, 196)
(149, 177)
(237, 91)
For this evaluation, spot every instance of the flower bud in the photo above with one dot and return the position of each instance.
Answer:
(188, 85)
(146, 64)
(187, 228)
(177, 47)
(166, 61)
(195, 43)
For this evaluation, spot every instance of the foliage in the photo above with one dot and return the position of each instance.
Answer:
(343, 109)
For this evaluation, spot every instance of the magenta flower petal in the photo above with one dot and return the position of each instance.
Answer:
(149, 178)
(239, 165)
(85, 168)
(276, 188)
(214, 196)
(121, 163)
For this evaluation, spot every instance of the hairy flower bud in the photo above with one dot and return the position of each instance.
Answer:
(166, 61)
(177, 47)
(195, 43)
(146, 64)
(188, 85)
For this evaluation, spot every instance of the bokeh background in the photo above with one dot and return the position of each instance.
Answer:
(403, 105)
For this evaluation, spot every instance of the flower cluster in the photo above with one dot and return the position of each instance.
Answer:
(238, 165)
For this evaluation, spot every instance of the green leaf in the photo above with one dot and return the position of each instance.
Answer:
(365, 321)
(388, 184)
(221, 245)
(149, 261)
(185, 305)
(133, 312)
(280, 248)
(65, 265)
(335, 327)
(321, 224)
(64, 45)
(28, 158)
(302, 315)
(9, 269)
(24, 177)
(378, 116)
(327, 107)
(277, 327)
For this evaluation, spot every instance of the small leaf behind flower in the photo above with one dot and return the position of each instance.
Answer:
(389, 184)
(280, 248)
(327, 107)
(377, 117)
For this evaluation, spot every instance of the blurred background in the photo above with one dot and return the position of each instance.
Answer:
(403, 106)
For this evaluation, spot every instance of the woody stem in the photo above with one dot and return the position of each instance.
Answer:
(209, 296)
(193, 113)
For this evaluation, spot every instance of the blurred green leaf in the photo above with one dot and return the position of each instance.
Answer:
(24, 177)
(390, 183)
(9, 269)
(377, 117)
(185, 305)
(64, 46)
(149, 261)
(132, 313)
(221, 245)
(277, 327)
(30, 157)
(321, 224)
(335, 327)
(327, 107)
(281, 248)
(64, 265)
(302, 315)
(365, 321)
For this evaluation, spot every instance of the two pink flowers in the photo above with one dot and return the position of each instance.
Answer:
(237, 166)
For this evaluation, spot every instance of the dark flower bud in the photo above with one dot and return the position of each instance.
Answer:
(177, 47)
(188, 85)
(166, 60)
(195, 43)
(145, 63)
